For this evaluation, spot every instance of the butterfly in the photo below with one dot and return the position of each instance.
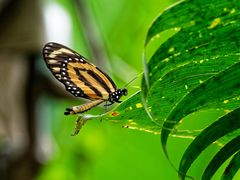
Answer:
(81, 78)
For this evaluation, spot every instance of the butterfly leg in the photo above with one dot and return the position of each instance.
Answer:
(105, 105)
(105, 110)
(109, 103)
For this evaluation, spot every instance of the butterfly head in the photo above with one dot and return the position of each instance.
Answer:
(115, 96)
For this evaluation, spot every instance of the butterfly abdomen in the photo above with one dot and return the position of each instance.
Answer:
(82, 108)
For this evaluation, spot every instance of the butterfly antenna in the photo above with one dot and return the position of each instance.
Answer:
(133, 79)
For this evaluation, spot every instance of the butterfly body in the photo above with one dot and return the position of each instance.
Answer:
(80, 77)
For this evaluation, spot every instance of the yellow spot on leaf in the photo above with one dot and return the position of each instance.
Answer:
(201, 61)
(139, 105)
(177, 54)
(149, 109)
(192, 23)
(214, 23)
(171, 49)
(233, 11)
(166, 60)
(225, 101)
(227, 111)
(128, 108)
(133, 123)
(201, 81)
(186, 86)
(177, 29)
(114, 113)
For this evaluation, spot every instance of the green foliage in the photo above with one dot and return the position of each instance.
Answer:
(196, 69)
(232, 168)
(216, 130)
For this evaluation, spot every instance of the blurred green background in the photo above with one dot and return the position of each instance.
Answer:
(112, 35)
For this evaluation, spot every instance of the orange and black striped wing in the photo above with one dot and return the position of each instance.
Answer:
(81, 78)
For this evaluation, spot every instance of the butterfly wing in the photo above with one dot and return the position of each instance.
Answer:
(81, 78)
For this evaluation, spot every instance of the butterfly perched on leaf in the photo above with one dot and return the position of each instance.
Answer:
(81, 78)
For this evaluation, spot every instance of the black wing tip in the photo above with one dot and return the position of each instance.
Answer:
(49, 48)
(48, 45)
(52, 44)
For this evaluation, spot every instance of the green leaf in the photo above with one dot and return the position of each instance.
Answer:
(232, 167)
(131, 114)
(192, 13)
(227, 151)
(210, 94)
(212, 133)
(197, 68)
